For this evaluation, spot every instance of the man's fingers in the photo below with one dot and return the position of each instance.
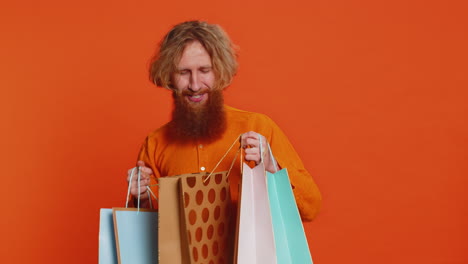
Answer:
(252, 139)
(251, 134)
(146, 171)
(252, 154)
(134, 190)
(252, 142)
(130, 172)
(248, 135)
(143, 188)
(143, 194)
(143, 181)
(128, 175)
(144, 168)
(255, 158)
(251, 151)
(144, 174)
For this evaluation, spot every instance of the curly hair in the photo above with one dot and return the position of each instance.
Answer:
(214, 40)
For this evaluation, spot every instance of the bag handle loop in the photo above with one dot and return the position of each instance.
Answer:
(272, 158)
(270, 153)
(224, 156)
(148, 189)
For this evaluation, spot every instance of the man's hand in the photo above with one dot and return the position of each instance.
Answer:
(251, 143)
(145, 174)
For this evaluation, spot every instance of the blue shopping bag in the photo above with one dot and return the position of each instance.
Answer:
(128, 235)
(107, 251)
(290, 239)
(136, 235)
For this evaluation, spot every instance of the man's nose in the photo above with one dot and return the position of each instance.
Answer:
(195, 84)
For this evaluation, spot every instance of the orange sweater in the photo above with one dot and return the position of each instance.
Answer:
(173, 158)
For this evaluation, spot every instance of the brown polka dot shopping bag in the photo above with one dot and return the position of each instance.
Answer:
(194, 218)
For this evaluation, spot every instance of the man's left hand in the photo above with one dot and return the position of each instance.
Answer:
(251, 143)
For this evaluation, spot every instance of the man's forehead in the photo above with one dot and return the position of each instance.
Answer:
(194, 55)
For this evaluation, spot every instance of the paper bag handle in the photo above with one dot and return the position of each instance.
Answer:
(148, 189)
(272, 158)
(224, 156)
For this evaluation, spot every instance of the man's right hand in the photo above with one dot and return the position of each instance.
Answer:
(145, 173)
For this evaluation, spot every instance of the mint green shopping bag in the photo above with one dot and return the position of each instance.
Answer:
(290, 239)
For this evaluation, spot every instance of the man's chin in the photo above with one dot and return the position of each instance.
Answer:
(199, 120)
(196, 105)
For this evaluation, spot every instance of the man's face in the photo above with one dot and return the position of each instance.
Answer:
(194, 76)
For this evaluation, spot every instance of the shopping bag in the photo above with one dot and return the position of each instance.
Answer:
(206, 217)
(194, 218)
(173, 246)
(290, 238)
(128, 235)
(136, 235)
(107, 251)
(255, 240)
(194, 212)
(169, 235)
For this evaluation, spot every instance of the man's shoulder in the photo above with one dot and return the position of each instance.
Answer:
(238, 113)
(243, 121)
(158, 133)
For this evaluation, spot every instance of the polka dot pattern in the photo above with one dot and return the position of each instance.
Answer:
(207, 214)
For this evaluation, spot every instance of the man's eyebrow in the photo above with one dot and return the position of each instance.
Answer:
(188, 69)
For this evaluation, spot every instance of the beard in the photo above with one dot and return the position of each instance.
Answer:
(190, 121)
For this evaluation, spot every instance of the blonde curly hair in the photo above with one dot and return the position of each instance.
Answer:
(214, 40)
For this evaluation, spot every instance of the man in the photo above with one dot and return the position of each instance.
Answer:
(196, 61)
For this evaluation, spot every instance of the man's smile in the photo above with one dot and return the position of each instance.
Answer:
(196, 98)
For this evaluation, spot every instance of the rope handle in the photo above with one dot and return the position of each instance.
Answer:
(224, 156)
(272, 158)
(148, 189)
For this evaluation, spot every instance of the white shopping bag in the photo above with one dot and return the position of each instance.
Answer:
(255, 242)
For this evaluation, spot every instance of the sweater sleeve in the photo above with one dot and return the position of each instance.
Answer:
(306, 192)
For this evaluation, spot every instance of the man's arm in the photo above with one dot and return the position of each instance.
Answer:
(306, 192)
(149, 174)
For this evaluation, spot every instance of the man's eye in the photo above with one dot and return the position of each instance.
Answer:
(184, 72)
(205, 70)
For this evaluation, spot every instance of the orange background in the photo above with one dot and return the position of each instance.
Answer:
(371, 93)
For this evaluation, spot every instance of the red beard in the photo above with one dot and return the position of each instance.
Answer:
(204, 123)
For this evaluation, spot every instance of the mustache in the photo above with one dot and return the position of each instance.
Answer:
(191, 93)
